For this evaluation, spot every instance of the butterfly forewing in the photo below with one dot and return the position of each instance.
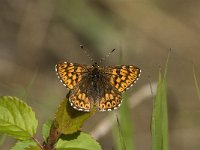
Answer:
(70, 73)
(122, 77)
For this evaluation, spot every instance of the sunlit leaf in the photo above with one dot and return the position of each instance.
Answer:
(77, 141)
(16, 118)
(25, 145)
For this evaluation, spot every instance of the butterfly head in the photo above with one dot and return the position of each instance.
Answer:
(95, 65)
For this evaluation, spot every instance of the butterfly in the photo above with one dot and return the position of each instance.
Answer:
(96, 86)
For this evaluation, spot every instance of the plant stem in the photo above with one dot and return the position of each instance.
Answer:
(54, 134)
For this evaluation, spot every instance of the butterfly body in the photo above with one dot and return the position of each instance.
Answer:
(96, 86)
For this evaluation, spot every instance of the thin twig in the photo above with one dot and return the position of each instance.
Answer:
(38, 143)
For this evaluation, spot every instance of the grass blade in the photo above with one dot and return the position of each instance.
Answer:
(123, 130)
(159, 124)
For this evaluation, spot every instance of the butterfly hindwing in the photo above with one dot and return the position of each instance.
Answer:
(79, 97)
(111, 99)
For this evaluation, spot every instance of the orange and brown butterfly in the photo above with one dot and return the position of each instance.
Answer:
(97, 86)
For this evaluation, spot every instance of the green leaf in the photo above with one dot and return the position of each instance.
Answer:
(70, 120)
(25, 145)
(46, 129)
(77, 141)
(196, 83)
(159, 124)
(16, 118)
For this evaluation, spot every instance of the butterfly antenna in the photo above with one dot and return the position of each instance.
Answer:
(86, 53)
(102, 59)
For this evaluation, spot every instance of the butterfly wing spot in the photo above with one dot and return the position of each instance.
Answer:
(108, 105)
(70, 68)
(81, 104)
(117, 86)
(120, 89)
(68, 82)
(78, 69)
(131, 78)
(103, 106)
(107, 96)
(70, 86)
(87, 106)
(118, 80)
(74, 77)
(113, 103)
(123, 85)
(128, 81)
(111, 96)
(114, 71)
(123, 78)
(122, 73)
(63, 66)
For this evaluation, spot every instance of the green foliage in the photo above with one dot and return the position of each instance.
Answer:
(196, 83)
(46, 129)
(16, 118)
(77, 141)
(68, 119)
(123, 131)
(159, 124)
(25, 145)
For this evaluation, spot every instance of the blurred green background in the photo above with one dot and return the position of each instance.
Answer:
(35, 35)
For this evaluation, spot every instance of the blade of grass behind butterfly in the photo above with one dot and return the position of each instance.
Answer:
(123, 133)
(159, 124)
(196, 83)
